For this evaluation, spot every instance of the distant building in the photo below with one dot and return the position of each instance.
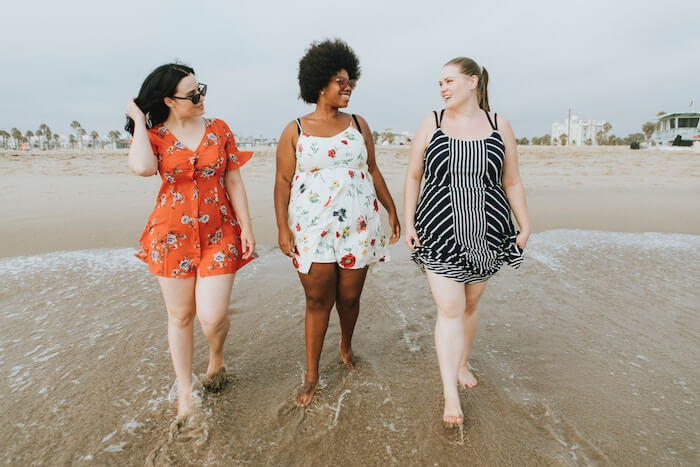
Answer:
(389, 137)
(582, 131)
(677, 128)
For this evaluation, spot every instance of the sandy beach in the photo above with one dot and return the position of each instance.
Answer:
(587, 355)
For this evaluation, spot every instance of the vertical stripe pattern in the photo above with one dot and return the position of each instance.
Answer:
(463, 218)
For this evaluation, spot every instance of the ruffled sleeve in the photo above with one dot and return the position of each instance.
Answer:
(234, 157)
(154, 137)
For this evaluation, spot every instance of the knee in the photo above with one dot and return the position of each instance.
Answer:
(450, 309)
(319, 302)
(348, 301)
(471, 306)
(181, 318)
(214, 323)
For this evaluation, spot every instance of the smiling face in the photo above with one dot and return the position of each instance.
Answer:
(339, 89)
(456, 87)
(180, 104)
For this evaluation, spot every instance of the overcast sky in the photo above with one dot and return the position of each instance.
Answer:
(620, 61)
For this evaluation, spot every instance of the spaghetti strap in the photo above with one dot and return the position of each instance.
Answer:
(495, 121)
(442, 112)
(490, 121)
(298, 126)
(354, 117)
(437, 124)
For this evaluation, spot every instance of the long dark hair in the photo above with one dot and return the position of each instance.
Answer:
(470, 67)
(161, 83)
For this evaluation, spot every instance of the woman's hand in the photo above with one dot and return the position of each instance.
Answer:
(521, 239)
(247, 243)
(412, 238)
(134, 112)
(395, 228)
(285, 240)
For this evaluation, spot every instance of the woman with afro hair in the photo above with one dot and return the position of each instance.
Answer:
(327, 193)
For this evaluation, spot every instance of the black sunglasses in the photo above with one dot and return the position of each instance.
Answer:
(194, 98)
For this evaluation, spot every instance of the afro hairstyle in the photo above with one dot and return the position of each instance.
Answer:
(322, 61)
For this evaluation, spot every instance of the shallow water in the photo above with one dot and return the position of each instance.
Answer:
(587, 355)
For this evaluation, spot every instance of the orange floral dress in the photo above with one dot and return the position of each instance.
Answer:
(193, 226)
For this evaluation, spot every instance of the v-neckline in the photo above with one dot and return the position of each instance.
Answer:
(201, 141)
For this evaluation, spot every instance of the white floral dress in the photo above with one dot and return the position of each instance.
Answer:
(333, 209)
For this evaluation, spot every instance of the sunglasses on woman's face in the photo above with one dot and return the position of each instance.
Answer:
(344, 83)
(194, 98)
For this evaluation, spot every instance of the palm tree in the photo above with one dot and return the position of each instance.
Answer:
(17, 136)
(44, 131)
(388, 136)
(76, 126)
(648, 129)
(114, 136)
(94, 136)
(72, 141)
(56, 140)
(29, 134)
(5, 136)
(81, 133)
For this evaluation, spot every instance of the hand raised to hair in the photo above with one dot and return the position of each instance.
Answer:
(134, 112)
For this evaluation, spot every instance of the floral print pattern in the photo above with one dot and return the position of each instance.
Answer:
(187, 232)
(333, 208)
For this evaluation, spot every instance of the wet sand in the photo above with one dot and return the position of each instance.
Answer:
(585, 356)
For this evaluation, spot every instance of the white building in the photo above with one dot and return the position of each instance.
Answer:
(582, 131)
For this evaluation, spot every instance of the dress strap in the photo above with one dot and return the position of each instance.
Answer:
(354, 117)
(438, 120)
(495, 127)
(298, 126)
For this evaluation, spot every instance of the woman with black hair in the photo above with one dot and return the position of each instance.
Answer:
(199, 233)
(327, 190)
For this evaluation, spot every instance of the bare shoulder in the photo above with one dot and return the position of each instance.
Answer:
(500, 120)
(363, 123)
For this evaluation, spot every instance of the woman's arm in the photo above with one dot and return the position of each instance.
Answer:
(512, 184)
(285, 167)
(239, 200)
(414, 175)
(380, 188)
(141, 159)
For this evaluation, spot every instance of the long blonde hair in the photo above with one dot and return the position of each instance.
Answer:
(470, 67)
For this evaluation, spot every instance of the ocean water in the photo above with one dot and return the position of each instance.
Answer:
(586, 355)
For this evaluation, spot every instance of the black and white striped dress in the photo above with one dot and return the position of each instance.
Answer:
(463, 218)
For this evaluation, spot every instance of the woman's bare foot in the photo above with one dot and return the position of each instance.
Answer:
(306, 393)
(346, 356)
(216, 380)
(184, 405)
(466, 378)
(453, 412)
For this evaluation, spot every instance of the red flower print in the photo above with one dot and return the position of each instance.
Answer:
(300, 148)
(327, 202)
(351, 173)
(362, 174)
(373, 241)
(306, 134)
(295, 263)
(347, 261)
(361, 224)
(376, 205)
(331, 153)
(298, 227)
(323, 234)
(344, 141)
(337, 235)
